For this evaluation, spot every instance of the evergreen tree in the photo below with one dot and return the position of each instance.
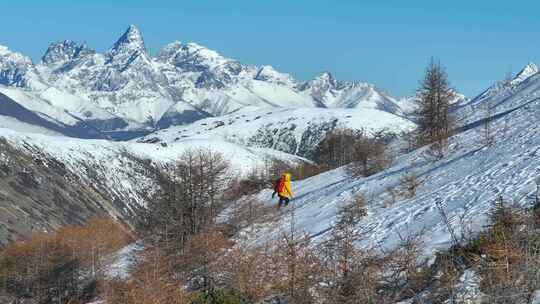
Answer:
(435, 95)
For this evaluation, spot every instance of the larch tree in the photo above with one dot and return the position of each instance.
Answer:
(435, 123)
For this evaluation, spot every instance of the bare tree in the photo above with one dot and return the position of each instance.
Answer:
(192, 193)
(300, 267)
(350, 275)
(336, 149)
(487, 132)
(365, 153)
(405, 271)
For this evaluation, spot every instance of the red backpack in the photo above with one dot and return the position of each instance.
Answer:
(280, 185)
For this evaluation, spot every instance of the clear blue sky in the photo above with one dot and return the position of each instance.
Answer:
(384, 42)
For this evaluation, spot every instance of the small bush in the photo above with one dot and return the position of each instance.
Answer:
(151, 283)
(351, 213)
(409, 184)
(220, 296)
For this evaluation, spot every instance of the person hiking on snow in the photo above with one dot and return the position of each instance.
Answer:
(283, 189)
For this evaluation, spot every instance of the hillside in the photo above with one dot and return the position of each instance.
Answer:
(466, 182)
(291, 130)
(51, 181)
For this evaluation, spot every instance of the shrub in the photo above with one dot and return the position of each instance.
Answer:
(409, 184)
(151, 283)
(219, 296)
(60, 266)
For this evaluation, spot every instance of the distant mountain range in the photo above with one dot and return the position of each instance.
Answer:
(126, 92)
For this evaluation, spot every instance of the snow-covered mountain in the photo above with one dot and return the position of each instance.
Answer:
(127, 89)
(291, 130)
(331, 93)
(502, 96)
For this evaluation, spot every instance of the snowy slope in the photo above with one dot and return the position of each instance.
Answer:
(7, 122)
(466, 182)
(39, 114)
(292, 130)
(33, 102)
(502, 96)
(109, 158)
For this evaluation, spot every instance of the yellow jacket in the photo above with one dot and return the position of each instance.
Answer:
(286, 191)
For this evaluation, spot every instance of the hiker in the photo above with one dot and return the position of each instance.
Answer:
(283, 189)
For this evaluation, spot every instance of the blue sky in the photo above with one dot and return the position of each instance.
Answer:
(384, 42)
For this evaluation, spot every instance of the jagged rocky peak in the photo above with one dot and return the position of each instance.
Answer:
(191, 56)
(169, 52)
(325, 76)
(13, 68)
(7, 55)
(132, 37)
(128, 47)
(65, 51)
(529, 70)
(215, 71)
(325, 81)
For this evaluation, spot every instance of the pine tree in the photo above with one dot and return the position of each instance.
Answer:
(435, 95)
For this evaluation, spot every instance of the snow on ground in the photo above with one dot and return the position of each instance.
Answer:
(536, 299)
(502, 97)
(466, 182)
(123, 261)
(242, 125)
(20, 126)
(32, 102)
(123, 176)
(467, 290)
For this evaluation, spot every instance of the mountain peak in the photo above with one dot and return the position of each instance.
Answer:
(3, 49)
(130, 40)
(529, 70)
(14, 68)
(324, 81)
(132, 34)
(191, 56)
(62, 51)
(128, 47)
(169, 51)
(327, 76)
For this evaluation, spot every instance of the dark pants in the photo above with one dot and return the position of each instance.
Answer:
(283, 201)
